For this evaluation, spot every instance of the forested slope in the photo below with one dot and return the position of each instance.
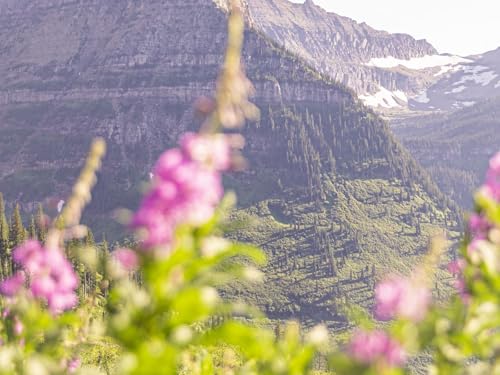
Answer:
(455, 148)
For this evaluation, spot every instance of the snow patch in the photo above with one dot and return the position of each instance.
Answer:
(456, 90)
(384, 98)
(400, 95)
(418, 63)
(60, 206)
(497, 86)
(422, 97)
(447, 69)
(478, 76)
(474, 69)
(468, 104)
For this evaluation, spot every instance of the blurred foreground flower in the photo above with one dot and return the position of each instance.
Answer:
(50, 276)
(187, 187)
(376, 347)
(401, 297)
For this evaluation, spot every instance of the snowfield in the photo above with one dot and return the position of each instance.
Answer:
(419, 63)
(384, 98)
(422, 98)
(477, 75)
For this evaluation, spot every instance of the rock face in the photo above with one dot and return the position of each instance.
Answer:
(456, 129)
(330, 195)
(342, 48)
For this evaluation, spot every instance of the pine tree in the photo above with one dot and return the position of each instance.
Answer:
(17, 233)
(41, 224)
(89, 239)
(4, 228)
(32, 229)
(4, 241)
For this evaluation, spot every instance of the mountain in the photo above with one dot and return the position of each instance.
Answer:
(455, 127)
(384, 69)
(330, 194)
(400, 77)
(455, 147)
(465, 84)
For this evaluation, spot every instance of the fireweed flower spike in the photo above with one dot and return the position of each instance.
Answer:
(492, 185)
(376, 346)
(187, 186)
(402, 297)
(73, 365)
(11, 286)
(127, 259)
(479, 226)
(51, 276)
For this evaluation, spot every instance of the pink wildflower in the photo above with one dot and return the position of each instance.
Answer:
(375, 346)
(213, 150)
(461, 287)
(18, 326)
(394, 354)
(402, 297)
(73, 365)
(12, 285)
(126, 258)
(473, 246)
(456, 267)
(29, 254)
(186, 189)
(492, 185)
(479, 226)
(51, 276)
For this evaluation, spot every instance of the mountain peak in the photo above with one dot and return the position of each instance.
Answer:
(339, 46)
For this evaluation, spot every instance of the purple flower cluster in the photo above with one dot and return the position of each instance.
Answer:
(402, 297)
(126, 258)
(492, 185)
(51, 276)
(9, 287)
(374, 347)
(456, 268)
(479, 225)
(187, 186)
(73, 365)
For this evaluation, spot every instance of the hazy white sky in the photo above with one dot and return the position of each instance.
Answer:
(463, 27)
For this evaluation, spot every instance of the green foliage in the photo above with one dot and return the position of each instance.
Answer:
(17, 232)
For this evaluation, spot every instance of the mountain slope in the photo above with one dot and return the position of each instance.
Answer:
(464, 85)
(330, 194)
(384, 69)
(455, 147)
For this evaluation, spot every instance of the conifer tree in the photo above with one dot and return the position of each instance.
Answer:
(89, 239)
(4, 228)
(41, 224)
(4, 241)
(32, 229)
(17, 233)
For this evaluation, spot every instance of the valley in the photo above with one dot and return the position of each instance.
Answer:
(338, 202)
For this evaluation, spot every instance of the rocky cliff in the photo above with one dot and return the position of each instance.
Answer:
(343, 48)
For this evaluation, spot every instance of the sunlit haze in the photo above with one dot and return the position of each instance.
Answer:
(455, 26)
